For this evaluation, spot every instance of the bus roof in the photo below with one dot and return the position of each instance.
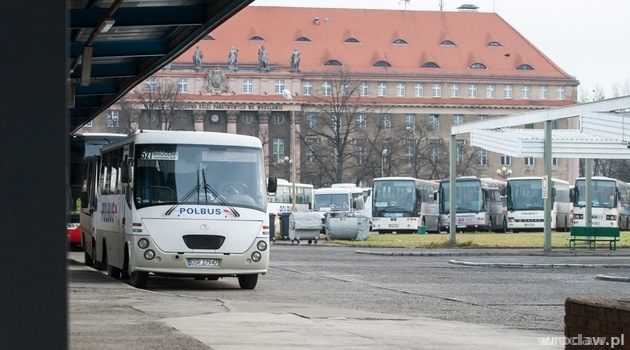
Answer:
(189, 138)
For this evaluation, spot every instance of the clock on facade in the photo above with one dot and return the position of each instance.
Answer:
(214, 118)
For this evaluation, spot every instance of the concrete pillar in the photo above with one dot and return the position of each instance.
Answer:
(199, 117)
(263, 134)
(232, 117)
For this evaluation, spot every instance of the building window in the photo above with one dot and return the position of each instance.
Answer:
(529, 126)
(335, 122)
(326, 89)
(149, 85)
(459, 151)
(382, 89)
(310, 155)
(434, 122)
(278, 86)
(454, 90)
(472, 91)
(554, 124)
(386, 121)
(458, 119)
(363, 89)
(506, 160)
(361, 120)
(248, 86)
(182, 85)
(311, 121)
(430, 65)
(409, 154)
(345, 90)
(478, 66)
(529, 161)
(507, 91)
(418, 90)
(525, 92)
(400, 90)
(361, 154)
(524, 66)
(482, 156)
(437, 90)
(482, 117)
(542, 93)
(410, 121)
(554, 161)
(112, 119)
(88, 124)
(434, 154)
(490, 91)
(560, 93)
(278, 149)
(307, 88)
(278, 119)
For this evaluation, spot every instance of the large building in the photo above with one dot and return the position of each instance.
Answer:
(346, 95)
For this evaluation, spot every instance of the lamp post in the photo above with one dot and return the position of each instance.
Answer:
(504, 172)
(286, 93)
(287, 162)
(414, 149)
(383, 156)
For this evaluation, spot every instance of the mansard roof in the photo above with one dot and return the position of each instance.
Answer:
(374, 33)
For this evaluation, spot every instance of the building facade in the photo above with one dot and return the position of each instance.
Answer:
(350, 100)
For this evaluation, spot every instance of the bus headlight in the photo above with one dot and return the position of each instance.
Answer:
(611, 217)
(256, 256)
(149, 254)
(143, 243)
(262, 245)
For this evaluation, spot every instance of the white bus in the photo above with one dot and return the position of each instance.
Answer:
(282, 201)
(478, 204)
(401, 204)
(525, 205)
(338, 198)
(610, 200)
(181, 203)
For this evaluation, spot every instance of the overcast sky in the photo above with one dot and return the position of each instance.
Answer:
(588, 39)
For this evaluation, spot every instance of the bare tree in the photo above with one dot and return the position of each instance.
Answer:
(161, 104)
(127, 117)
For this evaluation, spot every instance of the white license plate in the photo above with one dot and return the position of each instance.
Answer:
(202, 262)
(529, 225)
(393, 225)
(461, 226)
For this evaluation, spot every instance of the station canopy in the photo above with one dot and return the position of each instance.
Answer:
(603, 133)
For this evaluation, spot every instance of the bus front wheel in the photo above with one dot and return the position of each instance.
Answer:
(138, 279)
(247, 281)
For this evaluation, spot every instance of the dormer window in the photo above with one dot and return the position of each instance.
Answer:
(332, 63)
(208, 37)
(382, 64)
(352, 40)
(302, 38)
(478, 66)
(400, 41)
(430, 65)
(494, 43)
(524, 66)
(256, 38)
(447, 43)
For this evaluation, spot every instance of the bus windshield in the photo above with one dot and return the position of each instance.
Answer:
(469, 197)
(394, 196)
(525, 195)
(334, 201)
(603, 193)
(198, 174)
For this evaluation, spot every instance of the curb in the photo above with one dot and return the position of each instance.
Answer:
(526, 265)
(613, 278)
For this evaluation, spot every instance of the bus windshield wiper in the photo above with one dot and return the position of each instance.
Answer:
(201, 178)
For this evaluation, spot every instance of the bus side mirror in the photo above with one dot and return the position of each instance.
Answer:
(272, 185)
(84, 200)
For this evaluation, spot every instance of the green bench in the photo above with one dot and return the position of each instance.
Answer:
(592, 235)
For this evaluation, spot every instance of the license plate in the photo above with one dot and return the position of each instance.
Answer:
(202, 262)
(393, 225)
(461, 226)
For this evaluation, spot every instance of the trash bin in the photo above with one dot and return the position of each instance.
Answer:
(284, 225)
(304, 226)
(422, 229)
(347, 225)
(272, 227)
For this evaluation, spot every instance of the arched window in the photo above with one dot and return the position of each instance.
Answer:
(430, 65)
(351, 40)
(302, 38)
(524, 66)
(447, 43)
(478, 66)
(400, 41)
(208, 37)
(333, 63)
(382, 64)
(494, 43)
(256, 38)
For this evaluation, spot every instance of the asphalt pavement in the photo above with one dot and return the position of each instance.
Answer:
(114, 315)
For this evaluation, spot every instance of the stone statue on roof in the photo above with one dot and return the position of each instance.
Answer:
(295, 61)
(197, 59)
(233, 58)
(262, 59)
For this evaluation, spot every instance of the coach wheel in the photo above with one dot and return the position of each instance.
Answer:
(138, 279)
(247, 281)
(87, 258)
(113, 271)
(96, 264)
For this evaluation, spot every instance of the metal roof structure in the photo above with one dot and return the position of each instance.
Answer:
(604, 132)
(116, 44)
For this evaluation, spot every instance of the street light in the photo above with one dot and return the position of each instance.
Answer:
(286, 161)
(504, 172)
(383, 156)
(286, 93)
(414, 149)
